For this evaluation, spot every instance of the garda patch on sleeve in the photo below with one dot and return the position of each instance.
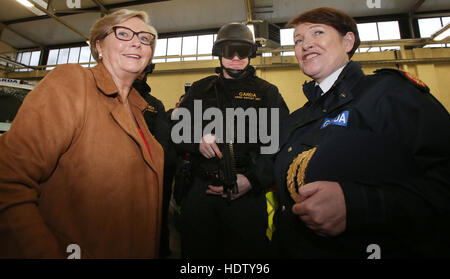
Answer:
(151, 109)
(340, 120)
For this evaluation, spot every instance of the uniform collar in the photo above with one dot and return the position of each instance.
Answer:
(106, 85)
(352, 69)
(328, 82)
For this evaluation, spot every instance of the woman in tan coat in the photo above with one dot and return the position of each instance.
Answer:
(79, 165)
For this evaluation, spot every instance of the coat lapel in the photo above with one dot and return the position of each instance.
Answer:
(138, 105)
(120, 114)
(122, 117)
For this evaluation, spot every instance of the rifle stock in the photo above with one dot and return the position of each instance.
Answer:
(227, 170)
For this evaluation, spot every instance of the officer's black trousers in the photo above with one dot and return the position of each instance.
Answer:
(212, 227)
(164, 247)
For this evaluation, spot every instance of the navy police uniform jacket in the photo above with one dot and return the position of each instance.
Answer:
(247, 92)
(385, 139)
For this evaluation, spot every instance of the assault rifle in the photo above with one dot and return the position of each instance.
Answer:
(227, 170)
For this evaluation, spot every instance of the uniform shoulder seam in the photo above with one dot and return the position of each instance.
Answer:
(405, 77)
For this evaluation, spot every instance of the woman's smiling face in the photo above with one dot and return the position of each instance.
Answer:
(125, 58)
(320, 49)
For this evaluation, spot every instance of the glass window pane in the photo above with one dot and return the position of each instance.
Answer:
(205, 44)
(52, 57)
(287, 37)
(288, 53)
(369, 49)
(189, 47)
(267, 54)
(205, 57)
(174, 48)
(446, 20)
(158, 60)
(35, 56)
(368, 31)
(389, 30)
(74, 54)
(427, 26)
(434, 45)
(161, 47)
(390, 48)
(19, 57)
(63, 56)
(85, 55)
(26, 58)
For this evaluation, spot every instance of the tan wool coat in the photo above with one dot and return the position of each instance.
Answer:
(74, 170)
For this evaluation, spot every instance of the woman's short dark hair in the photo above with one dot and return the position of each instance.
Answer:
(335, 18)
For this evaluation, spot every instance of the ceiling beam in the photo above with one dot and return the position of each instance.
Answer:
(2, 25)
(102, 8)
(248, 10)
(50, 14)
(412, 11)
(60, 13)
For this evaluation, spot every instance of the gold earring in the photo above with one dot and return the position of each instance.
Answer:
(100, 55)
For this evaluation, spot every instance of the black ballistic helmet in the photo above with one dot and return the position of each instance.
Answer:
(235, 34)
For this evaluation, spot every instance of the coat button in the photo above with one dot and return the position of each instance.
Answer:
(283, 208)
(290, 149)
(324, 110)
(343, 95)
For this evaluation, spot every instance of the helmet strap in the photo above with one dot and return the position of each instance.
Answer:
(235, 73)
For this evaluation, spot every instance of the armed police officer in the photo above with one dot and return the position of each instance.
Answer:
(218, 222)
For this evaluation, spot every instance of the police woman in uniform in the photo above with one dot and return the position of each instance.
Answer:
(363, 169)
(211, 225)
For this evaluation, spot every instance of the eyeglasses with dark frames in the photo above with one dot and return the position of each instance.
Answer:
(126, 34)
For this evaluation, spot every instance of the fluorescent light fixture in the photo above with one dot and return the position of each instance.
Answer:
(442, 34)
(41, 3)
(32, 7)
(35, 10)
(25, 3)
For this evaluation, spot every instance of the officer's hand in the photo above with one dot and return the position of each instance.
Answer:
(208, 147)
(321, 206)
(243, 186)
